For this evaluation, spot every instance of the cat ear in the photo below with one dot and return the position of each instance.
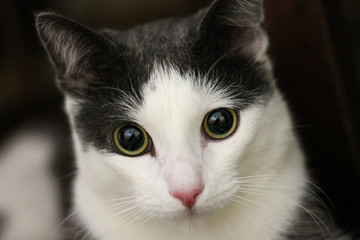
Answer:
(78, 53)
(234, 27)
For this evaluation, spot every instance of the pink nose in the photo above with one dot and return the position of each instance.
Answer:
(187, 198)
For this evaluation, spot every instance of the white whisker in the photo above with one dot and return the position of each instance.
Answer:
(72, 214)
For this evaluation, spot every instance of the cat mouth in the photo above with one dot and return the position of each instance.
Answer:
(185, 214)
(190, 220)
(191, 214)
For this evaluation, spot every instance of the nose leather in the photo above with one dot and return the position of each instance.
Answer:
(188, 199)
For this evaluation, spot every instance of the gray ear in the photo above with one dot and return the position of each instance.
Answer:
(234, 26)
(77, 52)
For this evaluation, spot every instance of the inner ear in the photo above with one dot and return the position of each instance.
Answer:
(78, 53)
(252, 42)
(233, 27)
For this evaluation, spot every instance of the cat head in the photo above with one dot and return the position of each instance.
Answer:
(171, 114)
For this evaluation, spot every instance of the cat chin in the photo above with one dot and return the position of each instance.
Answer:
(185, 220)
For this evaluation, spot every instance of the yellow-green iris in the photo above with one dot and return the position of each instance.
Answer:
(131, 139)
(220, 123)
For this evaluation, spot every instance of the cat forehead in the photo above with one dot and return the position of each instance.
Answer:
(170, 97)
(159, 35)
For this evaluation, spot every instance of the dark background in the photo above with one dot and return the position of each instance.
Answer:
(315, 47)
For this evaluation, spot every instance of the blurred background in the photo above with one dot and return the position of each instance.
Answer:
(315, 47)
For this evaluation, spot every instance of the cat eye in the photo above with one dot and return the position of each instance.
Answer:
(132, 140)
(220, 123)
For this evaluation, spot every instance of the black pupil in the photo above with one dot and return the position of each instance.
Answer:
(220, 121)
(131, 138)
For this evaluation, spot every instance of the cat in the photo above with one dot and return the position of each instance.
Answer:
(180, 131)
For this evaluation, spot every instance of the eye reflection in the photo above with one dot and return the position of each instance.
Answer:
(131, 139)
(220, 123)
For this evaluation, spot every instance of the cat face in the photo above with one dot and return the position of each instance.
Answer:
(160, 86)
(182, 156)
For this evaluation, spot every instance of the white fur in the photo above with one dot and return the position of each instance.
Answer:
(172, 113)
